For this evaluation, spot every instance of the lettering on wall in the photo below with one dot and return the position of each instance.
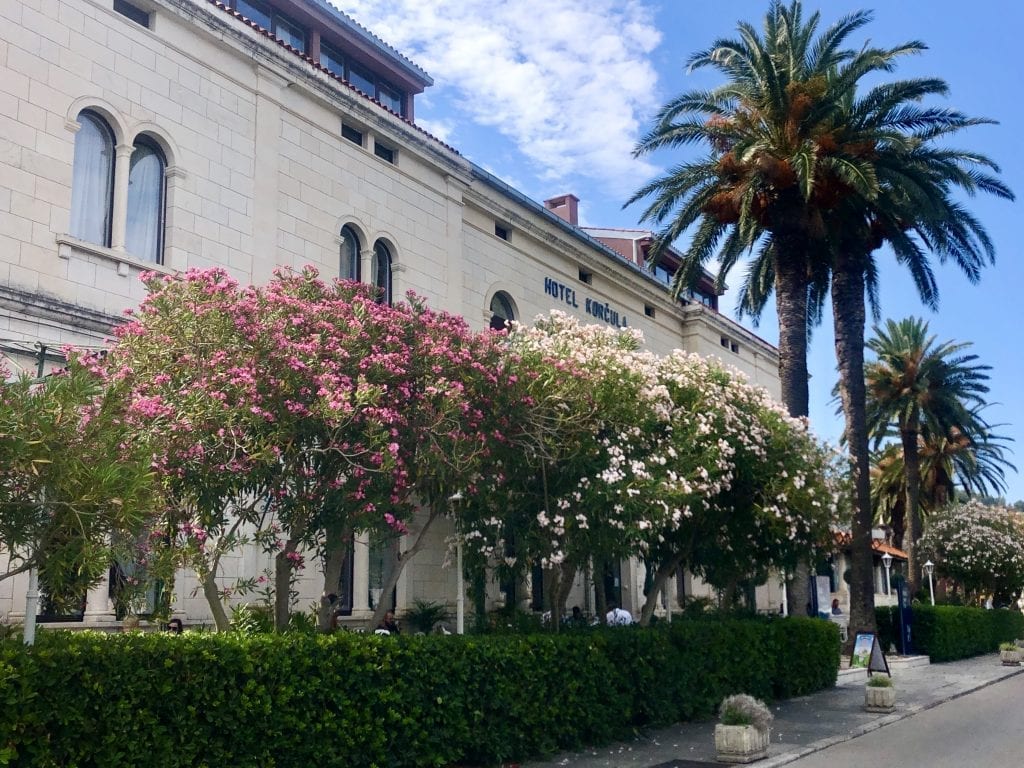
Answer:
(601, 310)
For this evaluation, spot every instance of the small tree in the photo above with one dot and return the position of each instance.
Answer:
(979, 546)
(72, 479)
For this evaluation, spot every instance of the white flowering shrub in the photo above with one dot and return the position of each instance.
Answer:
(743, 709)
(979, 546)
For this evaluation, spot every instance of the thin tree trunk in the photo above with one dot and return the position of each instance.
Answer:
(600, 599)
(398, 566)
(791, 307)
(212, 595)
(912, 463)
(336, 546)
(283, 585)
(898, 519)
(849, 320)
(661, 577)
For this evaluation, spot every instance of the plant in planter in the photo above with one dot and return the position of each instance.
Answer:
(741, 736)
(879, 694)
(1009, 654)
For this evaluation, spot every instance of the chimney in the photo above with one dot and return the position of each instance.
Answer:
(565, 207)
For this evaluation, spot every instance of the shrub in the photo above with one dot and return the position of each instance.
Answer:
(947, 632)
(345, 699)
(1008, 647)
(878, 681)
(742, 709)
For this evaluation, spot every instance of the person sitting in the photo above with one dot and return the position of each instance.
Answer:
(389, 624)
(836, 610)
(175, 626)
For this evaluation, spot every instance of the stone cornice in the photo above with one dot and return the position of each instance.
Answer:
(39, 305)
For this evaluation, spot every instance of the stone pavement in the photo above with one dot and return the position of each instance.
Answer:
(803, 725)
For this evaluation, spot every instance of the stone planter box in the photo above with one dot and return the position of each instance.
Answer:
(1010, 658)
(740, 743)
(879, 699)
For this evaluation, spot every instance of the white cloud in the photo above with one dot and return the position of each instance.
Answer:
(568, 82)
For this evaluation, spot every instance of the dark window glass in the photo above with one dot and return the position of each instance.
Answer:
(92, 181)
(255, 12)
(501, 232)
(502, 312)
(384, 153)
(382, 272)
(144, 223)
(289, 32)
(362, 79)
(350, 133)
(137, 15)
(349, 254)
(332, 60)
(390, 97)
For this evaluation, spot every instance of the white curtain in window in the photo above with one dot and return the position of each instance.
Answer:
(143, 234)
(92, 182)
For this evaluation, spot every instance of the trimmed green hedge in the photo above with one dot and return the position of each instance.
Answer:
(950, 632)
(87, 699)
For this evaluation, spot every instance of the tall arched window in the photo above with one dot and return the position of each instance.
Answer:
(502, 312)
(382, 272)
(144, 223)
(92, 182)
(349, 269)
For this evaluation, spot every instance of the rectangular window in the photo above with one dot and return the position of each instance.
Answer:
(362, 79)
(332, 60)
(390, 98)
(649, 310)
(501, 231)
(586, 277)
(134, 13)
(353, 135)
(724, 341)
(385, 154)
(255, 12)
(289, 32)
(734, 347)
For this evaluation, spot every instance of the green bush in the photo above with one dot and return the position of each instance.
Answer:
(203, 699)
(949, 632)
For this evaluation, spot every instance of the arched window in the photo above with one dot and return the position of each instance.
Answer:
(349, 269)
(382, 272)
(502, 312)
(92, 182)
(144, 222)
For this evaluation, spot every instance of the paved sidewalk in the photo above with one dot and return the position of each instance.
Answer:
(804, 725)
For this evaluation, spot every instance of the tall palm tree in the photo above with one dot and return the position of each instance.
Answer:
(767, 177)
(974, 463)
(921, 386)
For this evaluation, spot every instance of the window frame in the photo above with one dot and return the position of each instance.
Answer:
(153, 146)
(103, 126)
(381, 250)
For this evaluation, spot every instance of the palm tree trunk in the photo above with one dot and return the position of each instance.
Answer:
(849, 320)
(912, 465)
(791, 307)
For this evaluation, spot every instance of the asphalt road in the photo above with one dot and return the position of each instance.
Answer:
(979, 730)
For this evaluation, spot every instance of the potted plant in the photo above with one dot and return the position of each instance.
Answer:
(879, 695)
(741, 736)
(1009, 654)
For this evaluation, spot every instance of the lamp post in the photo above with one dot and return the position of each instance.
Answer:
(929, 569)
(785, 597)
(887, 563)
(460, 595)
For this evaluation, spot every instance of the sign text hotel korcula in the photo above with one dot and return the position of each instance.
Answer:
(593, 307)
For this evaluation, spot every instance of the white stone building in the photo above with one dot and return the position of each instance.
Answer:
(169, 134)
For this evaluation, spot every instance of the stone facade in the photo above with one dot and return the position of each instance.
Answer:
(266, 157)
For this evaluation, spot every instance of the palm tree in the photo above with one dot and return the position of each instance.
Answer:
(921, 387)
(768, 175)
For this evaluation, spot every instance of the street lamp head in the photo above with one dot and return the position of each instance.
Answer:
(887, 560)
(929, 567)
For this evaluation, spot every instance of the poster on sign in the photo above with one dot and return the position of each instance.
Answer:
(867, 654)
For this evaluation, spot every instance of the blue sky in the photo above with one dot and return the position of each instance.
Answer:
(552, 96)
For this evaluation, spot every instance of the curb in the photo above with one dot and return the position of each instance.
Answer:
(830, 741)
